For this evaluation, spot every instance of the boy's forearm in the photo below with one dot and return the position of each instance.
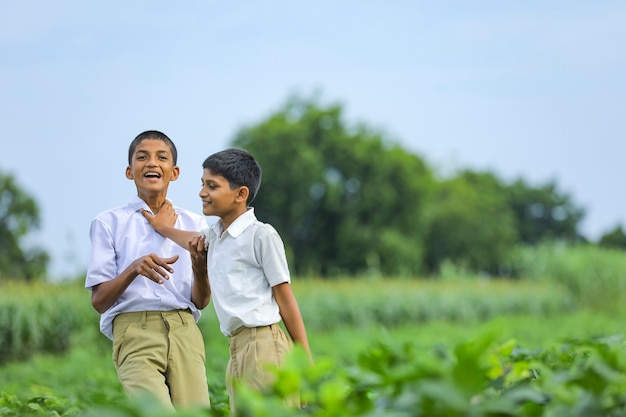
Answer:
(201, 290)
(295, 327)
(165, 225)
(291, 315)
(150, 266)
(181, 237)
(104, 295)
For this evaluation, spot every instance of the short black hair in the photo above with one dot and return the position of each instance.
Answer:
(152, 134)
(238, 167)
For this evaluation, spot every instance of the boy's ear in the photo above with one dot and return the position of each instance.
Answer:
(175, 173)
(242, 194)
(129, 172)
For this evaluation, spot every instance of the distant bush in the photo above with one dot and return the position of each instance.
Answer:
(36, 318)
(594, 276)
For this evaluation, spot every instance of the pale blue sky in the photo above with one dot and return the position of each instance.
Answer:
(532, 89)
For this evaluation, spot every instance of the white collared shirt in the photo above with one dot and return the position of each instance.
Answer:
(120, 236)
(245, 261)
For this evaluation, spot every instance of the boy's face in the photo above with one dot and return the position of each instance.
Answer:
(152, 167)
(218, 199)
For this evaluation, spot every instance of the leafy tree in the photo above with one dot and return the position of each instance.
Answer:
(19, 215)
(614, 239)
(472, 225)
(544, 213)
(345, 199)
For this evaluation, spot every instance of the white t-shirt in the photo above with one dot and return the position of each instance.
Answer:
(120, 236)
(245, 261)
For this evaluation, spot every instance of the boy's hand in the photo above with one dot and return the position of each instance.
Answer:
(166, 216)
(154, 267)
(198, 249)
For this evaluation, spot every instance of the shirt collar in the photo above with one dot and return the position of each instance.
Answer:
(136, 204)
(237, 227)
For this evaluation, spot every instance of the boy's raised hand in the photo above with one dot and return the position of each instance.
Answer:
(164, 221)
(198, 250)
(165, 217)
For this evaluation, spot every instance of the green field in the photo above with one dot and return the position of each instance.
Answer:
(347, 321)
(54, 361)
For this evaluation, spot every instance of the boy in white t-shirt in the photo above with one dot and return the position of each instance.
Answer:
(247, 266)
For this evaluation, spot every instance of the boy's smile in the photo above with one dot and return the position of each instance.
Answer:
(152, 176)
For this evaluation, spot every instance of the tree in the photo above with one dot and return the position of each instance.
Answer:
(614, 239)
(544, 213)
(19, 215)
(472, 224)
(345, 199)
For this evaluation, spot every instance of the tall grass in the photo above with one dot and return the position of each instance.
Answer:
(391, 303)
(595, 277)
(47, 317)
(39, 318)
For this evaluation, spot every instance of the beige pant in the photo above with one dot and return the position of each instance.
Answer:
(162, 353)
(251, 349)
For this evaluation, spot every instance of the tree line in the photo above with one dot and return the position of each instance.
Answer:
(347, 200)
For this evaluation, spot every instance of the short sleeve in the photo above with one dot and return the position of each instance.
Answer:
(102, 263)
(270, 254)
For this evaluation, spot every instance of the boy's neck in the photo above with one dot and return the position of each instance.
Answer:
(230, 218)
(153, 201)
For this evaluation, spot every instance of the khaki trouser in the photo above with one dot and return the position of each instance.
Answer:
(251, 350)
(162, 353)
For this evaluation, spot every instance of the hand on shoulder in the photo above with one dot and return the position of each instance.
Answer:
(165, 217)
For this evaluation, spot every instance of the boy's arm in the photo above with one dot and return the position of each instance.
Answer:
(163, 221)
(290, 313)
(104, 295)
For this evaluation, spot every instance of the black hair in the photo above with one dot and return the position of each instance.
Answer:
(238, 167)
(152, 134)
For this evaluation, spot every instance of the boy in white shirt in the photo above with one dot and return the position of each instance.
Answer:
(248, 270)
(145, 288)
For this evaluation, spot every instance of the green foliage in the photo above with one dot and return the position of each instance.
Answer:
(45, 406)
(595, 277)
(478, 378)
(345, 200)
(382, 348)
(19, 215)
(616, 239)
(479, 220)
(472, 224)
(422, 370)
(37, 318)
(48, 318)
(544, 213)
